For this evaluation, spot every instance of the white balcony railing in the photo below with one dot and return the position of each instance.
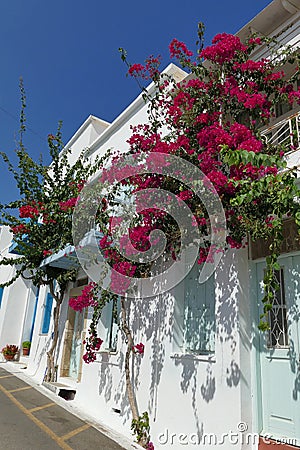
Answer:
(285, 133)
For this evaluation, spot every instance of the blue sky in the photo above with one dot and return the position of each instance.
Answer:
(67, 53)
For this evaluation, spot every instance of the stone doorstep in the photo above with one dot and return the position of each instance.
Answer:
(19, 364)
(266, 443)
(57, 387)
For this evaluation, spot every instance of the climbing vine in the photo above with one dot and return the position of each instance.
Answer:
(41, 218)
(213, 119)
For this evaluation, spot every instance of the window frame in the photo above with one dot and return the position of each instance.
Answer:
(108, 326)
(1, 295)
(180, 346)
(205, 303)
(47, 313)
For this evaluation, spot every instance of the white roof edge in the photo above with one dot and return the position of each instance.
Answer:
(82, 128)
(171, 69)
(253, 20)
(98, 119)
(288, 7)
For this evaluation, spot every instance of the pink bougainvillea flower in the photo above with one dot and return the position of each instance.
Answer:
(185, 195)
(89, 357)
(28, 211)
(179, 50)
(84, 300)
(105, 242)
(121, 276)
(225, 47)
(253, 66)
(269, 221)
(256, 41)
(69, 204)
(137, 70)
(19, 229)
(139, 348)
(233, 243)
(152, 65)
(97, 342)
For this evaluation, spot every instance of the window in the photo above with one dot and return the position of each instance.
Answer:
(34, 312)
(1, 295)
(199, 313)
(47, 314)
(194, 315)
(114, 325)
(109, 325)
(278, 333)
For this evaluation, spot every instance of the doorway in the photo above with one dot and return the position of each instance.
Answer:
(279, 353)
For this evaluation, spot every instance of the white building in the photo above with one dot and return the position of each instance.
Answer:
(218, 390)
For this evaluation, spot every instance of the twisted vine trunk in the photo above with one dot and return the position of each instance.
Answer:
(129, 386)
(142, 437)
(51, 371)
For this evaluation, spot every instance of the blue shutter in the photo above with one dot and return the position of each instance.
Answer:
(34, 313)
(199, 314)
(47, 314)
(1, 295)
(109, 324)
(115, 309)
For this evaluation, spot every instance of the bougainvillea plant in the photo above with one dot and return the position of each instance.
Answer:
(41, 218)
(213, 119)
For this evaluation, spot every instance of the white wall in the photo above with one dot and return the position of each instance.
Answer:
(37, 362)
(193, 395)
(14, 298)
(84, 137)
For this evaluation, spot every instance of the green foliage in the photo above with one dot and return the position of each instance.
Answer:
(10, 349)
(215, 119)
(26, 344)
(44, 189)
(141, 428)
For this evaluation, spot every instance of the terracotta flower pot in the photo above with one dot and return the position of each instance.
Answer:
(9, 357)
(25, 351)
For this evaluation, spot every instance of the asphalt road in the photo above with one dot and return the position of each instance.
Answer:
(30, 421)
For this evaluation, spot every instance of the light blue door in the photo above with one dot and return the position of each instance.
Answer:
(279, 353)
(76, 346)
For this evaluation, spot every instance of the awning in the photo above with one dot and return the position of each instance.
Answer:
(64, 259)
(67, 258)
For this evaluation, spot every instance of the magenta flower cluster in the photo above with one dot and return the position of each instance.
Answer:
(68, 204)
(84, 300)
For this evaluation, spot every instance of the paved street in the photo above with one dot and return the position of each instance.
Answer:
(30, 421)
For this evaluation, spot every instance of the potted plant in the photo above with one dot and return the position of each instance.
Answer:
(9, 352)
(26, 347)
